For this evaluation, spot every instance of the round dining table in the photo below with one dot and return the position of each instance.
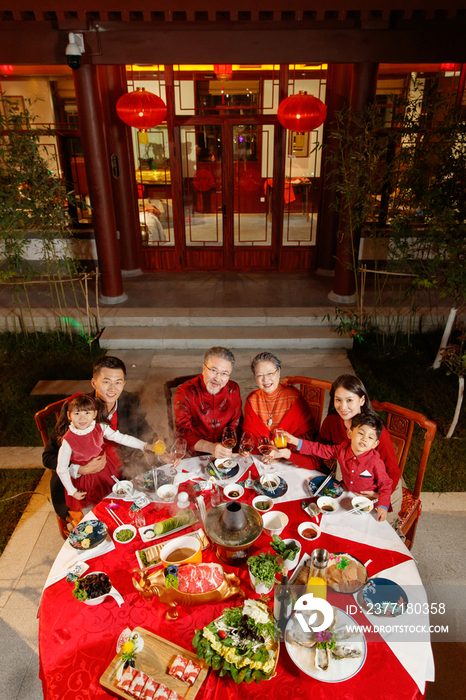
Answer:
(77, 642)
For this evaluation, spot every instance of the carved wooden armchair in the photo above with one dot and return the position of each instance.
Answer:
(400, 425)
(41, 418)
(313, 391)
(170, 388)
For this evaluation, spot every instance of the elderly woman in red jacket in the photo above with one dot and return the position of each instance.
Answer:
(274, 405)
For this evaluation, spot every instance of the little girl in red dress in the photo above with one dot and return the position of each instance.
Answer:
(81, 429)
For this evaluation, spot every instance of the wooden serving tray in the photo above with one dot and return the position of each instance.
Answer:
(155, 660)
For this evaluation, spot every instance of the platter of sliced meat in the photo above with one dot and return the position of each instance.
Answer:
(162, 671)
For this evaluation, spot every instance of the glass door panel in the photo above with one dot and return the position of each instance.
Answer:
(201, 157)
(253, 183)
(154, 187)
(302, 186)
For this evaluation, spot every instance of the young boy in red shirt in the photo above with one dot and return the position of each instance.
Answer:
(361, 466)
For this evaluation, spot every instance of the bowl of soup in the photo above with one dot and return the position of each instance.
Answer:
(182, 550)
(364, 505)
(327, 505)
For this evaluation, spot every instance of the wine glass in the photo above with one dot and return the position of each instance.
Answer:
(246, 446)
(177, 452)
(265, 448)
(229, 437)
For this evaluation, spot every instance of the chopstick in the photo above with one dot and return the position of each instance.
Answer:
(117, 519)
(324, 483)
(359, 508)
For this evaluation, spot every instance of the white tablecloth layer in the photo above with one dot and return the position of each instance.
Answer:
(68, 556)
(416, 657)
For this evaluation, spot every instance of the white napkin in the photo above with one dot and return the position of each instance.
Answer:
(361, 528)
(68, 556)
(415, 656)
(296, 478)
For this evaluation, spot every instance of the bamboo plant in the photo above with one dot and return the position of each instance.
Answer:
(34, 212)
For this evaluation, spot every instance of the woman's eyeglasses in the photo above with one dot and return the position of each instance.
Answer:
(269, 375)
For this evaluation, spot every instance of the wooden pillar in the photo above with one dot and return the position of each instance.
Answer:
(98, 178)
(112, 81)
(279, 164)
(363, 92)
(338, 92)
(174, 147)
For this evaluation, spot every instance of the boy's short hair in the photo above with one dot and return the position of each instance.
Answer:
(108, 362)
(370, 419)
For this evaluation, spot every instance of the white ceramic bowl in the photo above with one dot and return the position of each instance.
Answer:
(232, 489)
(225, 464)
(270, 481)
(364, 504)
(260, 588)
(100, 599)
(125, 527)
(123, 488)
(309, 526)
(274, 522)
(327, 505)
(291, 563)
(261, 499)
(167, 492)
(179, 543)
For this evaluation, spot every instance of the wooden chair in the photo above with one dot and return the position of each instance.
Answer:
(400, 425)
(313, 391)
(168, 387)
(41, 418)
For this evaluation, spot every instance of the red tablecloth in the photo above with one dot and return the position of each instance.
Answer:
(77, 642)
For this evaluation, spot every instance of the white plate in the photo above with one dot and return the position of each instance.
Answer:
(339, 669)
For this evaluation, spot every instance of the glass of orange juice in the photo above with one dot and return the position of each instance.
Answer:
(279, 438)
(159, 448)
(317, 586)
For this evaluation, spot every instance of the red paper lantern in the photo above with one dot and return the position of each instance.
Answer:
(141, 109)
(448, 66)
(223, 71)
(301, 112)
(7, 70)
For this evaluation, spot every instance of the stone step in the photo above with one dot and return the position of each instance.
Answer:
(185, 317)
(256, 337)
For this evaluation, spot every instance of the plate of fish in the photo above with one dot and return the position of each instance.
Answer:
(88, 534)
(332, 488)
(333, 655)
(382, 597)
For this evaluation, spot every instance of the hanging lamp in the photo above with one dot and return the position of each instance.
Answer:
(141, 109)
(223, 71)
(301, 112)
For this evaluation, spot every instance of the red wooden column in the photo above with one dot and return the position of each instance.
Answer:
(112, 81)
(362, 93)
(338, 92)
(98, 178)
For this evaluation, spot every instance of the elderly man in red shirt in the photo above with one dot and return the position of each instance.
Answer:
(206, 404)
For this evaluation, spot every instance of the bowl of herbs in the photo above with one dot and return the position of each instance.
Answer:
(288, 549)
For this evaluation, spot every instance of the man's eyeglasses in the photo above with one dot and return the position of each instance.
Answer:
(215, 372)
(269, 375)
